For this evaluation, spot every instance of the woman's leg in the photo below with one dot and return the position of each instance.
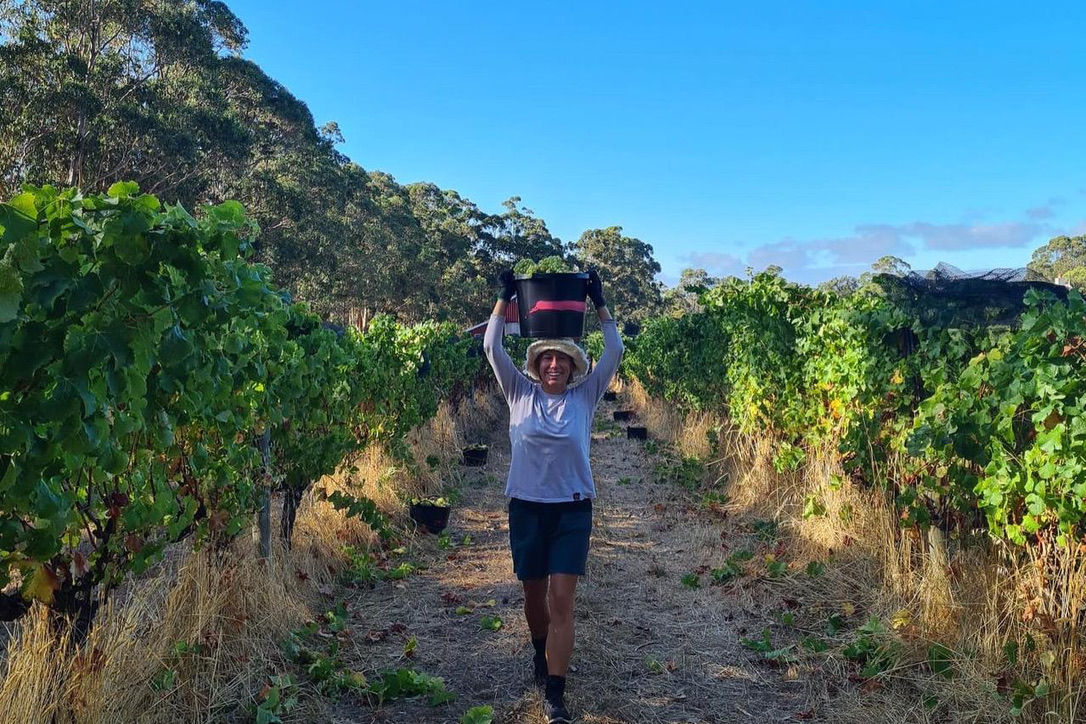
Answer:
(560, 635)
(535, 607)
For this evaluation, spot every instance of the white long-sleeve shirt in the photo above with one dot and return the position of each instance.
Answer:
(550, 434)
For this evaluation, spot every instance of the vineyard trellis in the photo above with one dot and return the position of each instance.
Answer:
(143, 361)
(982, 407)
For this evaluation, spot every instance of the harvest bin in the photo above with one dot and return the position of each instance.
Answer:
(474, 455)
(552, 305)
(432, 518)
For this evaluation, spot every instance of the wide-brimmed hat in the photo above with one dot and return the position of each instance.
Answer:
(566, 346)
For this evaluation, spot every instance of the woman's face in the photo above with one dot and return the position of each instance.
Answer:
(555, 370)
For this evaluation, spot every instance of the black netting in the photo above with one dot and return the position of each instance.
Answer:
(949, 297)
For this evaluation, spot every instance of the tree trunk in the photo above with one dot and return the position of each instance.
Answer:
(73, 609)
(291, 498)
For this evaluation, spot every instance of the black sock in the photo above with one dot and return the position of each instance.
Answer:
(556, 687)
(540, 647)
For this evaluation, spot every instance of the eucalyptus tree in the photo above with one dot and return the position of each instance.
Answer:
(683, 297)
(1064, 258)
(95, 91)
(628, 267)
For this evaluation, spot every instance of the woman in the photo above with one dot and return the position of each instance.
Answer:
(550, 486)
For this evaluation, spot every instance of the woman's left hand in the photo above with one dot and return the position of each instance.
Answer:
(595, 288)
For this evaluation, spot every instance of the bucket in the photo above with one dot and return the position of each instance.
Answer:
(474, 456)
(552, 306)
(432, 518)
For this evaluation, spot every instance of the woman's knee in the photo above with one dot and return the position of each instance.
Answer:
(560, 600)
(535, 593)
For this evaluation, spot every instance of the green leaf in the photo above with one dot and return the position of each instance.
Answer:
(123, 189)
(478, 715)
(11, 287)
(266, 716)
(19, 218)
(132, 248)
(941, 660)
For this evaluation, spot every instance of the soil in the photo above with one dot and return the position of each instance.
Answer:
(649, 649)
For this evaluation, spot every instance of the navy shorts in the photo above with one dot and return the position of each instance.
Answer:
(549, 538)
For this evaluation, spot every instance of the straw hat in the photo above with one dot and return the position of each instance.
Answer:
(566, 346)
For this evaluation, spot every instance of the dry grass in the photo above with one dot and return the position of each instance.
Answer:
(216, 621)
(972, 598)
(975, 599)
(690, 434)
(192, 649)
(475, 417)
(322, 532)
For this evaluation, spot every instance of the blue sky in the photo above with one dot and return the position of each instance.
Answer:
(816, 135)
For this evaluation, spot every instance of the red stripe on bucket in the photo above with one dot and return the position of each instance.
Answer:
(557, 307)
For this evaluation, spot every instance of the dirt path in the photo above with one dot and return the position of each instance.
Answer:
(648, 648)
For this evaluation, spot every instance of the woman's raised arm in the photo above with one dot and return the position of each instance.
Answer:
(509, 377)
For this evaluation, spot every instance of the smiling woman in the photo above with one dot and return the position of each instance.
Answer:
(556, 364)
(550, 485)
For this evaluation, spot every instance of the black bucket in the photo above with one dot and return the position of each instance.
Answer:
(474, 456)
(552, 305)
(610, 396)
(637, 433)
(432, 518)
(623, 415)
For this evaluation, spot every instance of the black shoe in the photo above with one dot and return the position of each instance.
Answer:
(555, 712)
(539, 664)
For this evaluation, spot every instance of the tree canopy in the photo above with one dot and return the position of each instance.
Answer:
(629, 268)
(1062, 259)
(683, 297)
(158, 93)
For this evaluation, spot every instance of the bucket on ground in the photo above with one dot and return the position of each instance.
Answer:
(474, 455)
(429, 517)
(552, 305)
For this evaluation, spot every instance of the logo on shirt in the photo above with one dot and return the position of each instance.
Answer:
(576, 496)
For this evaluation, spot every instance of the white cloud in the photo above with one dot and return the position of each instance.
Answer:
(817, 259)
(974, 236)
(716, 263)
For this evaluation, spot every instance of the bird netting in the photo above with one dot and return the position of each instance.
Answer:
(949, 297)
